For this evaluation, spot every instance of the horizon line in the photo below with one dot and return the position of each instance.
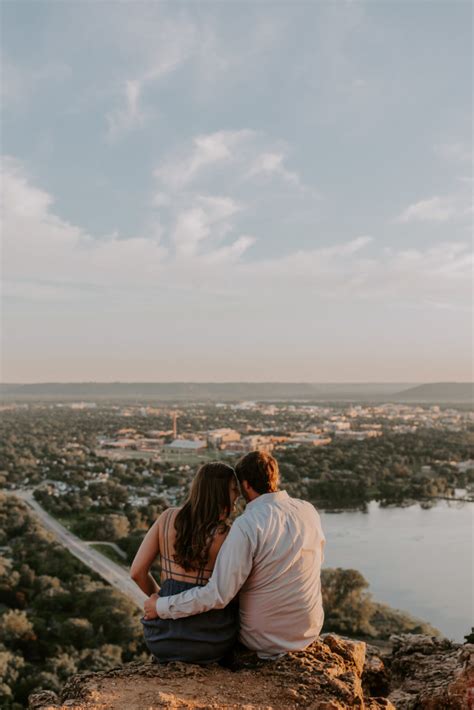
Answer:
(238, 382)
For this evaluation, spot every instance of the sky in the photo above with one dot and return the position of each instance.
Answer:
(236, 191)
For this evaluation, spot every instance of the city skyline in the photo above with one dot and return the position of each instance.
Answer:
(197, 193)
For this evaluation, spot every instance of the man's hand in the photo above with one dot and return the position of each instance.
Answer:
(149, 607)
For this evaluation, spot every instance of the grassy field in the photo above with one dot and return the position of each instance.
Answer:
(181, 458)
(66, 522)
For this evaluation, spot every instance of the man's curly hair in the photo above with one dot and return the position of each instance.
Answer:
(260, 470)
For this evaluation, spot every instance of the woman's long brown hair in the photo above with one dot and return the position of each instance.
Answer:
(197, 520)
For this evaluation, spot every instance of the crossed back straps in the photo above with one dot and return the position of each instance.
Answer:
(202, 574)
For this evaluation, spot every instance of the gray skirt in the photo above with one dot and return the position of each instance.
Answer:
(202, 638)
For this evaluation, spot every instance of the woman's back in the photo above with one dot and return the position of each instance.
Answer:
(200, 638)
(170, 569)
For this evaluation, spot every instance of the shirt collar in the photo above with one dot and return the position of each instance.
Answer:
(268, 498)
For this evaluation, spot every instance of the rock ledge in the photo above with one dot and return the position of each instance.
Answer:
(332, 674)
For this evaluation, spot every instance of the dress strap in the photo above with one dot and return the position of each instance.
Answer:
(200, 578)
(166, 556)
(185, 574)
(167, 562)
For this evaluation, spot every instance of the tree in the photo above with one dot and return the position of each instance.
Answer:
(63, 666)
(10, 668)
(101, 659)
(112, 615)
(114, 527)
(347, 605)
(15, 628)
(78, 632)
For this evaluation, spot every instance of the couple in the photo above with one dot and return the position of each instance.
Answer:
(256, 581)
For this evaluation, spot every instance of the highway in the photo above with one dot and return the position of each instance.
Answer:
(115, 575)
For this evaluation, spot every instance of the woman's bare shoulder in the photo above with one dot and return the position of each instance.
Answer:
(170, 512)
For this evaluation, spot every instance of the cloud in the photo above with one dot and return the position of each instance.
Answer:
(454, 152)
(129, 116)
(440, 209)
(160, 43)
(198, 224)
(434, 209)
(271, 164)
(207, 150)
(453, 206)
(41, 249)
(234, 157)
(231, 253)
(199, 250)
(439, 276)
(173, 44)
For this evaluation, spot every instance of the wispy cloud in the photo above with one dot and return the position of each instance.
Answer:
(207, 218)
(272, 164)
(201, 248)
(433, 209)
(130, 115)
(207, 150)
(174, 44)
(40, 247)
(164, 42)
(248, 156)
(455, 152)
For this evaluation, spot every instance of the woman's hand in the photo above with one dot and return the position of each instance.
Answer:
(149, 607)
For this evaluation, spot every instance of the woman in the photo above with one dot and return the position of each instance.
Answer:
(188, 540)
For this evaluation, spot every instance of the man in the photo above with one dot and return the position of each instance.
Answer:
(272, 557)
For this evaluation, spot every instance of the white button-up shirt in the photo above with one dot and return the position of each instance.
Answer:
(273, 556)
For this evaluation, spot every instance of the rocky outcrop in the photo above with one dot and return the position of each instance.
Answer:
(431, 673)
(332, 674)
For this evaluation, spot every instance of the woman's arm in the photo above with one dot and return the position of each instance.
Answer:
(147, 553)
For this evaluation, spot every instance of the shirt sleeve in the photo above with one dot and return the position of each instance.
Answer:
(322, 536)
(233, 566)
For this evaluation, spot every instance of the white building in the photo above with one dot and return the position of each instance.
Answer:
(221, 437)
(118, 443)
(336, 426)
(258, 443)
(358, 435)
(308, 439)
(180, 446)
(464, 466)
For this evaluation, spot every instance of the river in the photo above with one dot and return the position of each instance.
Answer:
(416, 560)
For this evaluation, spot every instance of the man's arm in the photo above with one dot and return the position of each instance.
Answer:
(233, 565)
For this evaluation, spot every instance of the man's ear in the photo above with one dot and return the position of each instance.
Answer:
(245, 486)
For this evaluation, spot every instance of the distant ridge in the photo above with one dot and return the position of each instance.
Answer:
(439, 392)
(235, 391)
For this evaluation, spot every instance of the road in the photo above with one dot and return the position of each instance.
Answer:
(115, 575)
(115, 547)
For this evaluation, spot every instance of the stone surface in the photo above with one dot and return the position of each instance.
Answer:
(332, 674)
(326, 676)
(431, 674)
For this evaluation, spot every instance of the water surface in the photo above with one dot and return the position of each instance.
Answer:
(419, 561)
